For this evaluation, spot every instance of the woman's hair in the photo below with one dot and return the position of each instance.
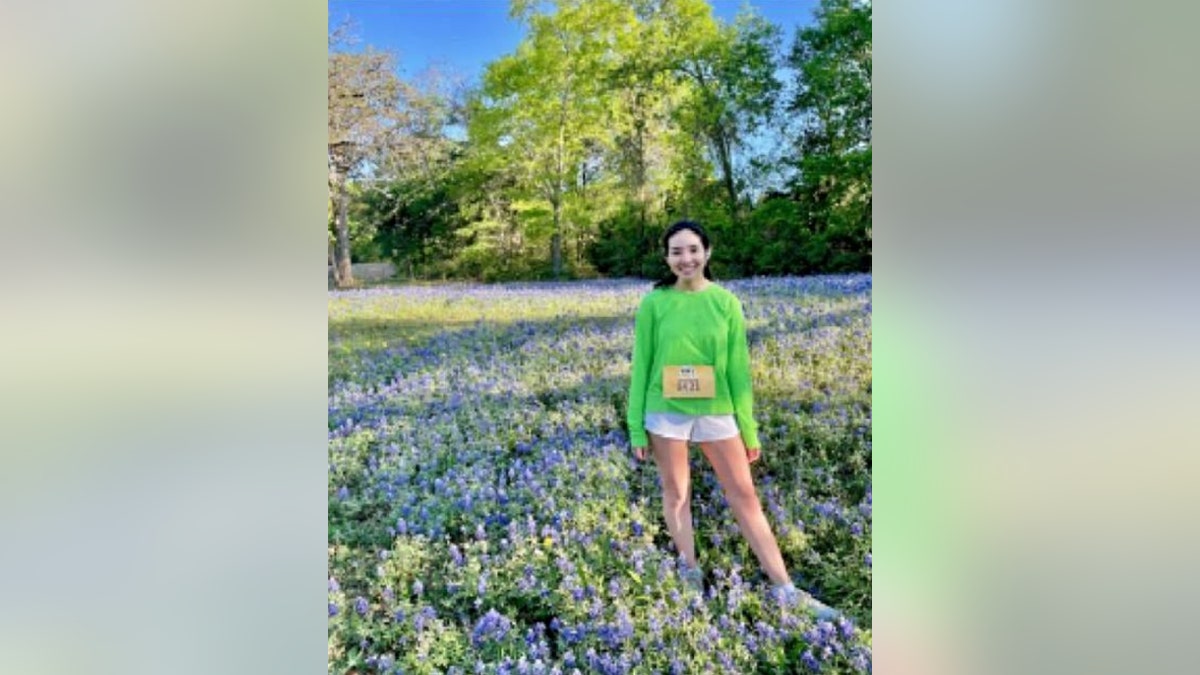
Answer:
(670, 278)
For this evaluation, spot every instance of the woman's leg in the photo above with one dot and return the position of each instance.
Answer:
(728, 459)
(671, 455)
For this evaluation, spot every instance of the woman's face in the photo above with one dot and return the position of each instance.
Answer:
(686, 255)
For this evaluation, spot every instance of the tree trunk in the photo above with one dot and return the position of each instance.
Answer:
(560, 161)
(640, 171)
(332, 268)
(343, 276)
(556, 240)
(725, 155)
(345, 273)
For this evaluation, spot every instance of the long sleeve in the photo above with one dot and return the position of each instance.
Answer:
(639, 375)
(738, 373)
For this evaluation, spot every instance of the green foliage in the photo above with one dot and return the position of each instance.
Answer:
(411, 221)
(770, 238)
(833, 152)
(626, 245)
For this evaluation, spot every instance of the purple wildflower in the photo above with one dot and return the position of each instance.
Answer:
(492, 626)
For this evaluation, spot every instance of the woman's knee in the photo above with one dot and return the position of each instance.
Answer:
(675, 497)
(741, 495)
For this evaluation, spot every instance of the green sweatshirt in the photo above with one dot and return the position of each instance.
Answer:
(678, 328)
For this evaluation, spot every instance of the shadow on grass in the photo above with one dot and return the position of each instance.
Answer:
(358, 339)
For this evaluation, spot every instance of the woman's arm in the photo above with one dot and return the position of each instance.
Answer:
(639, 373)
(738, 378)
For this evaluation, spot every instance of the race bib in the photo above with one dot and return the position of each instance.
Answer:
(688, 382)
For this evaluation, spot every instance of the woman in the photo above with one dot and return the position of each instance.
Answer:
(690, 381)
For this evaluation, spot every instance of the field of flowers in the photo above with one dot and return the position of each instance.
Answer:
(486, 514)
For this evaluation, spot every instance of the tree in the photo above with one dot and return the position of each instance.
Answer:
(540, 108)
(363, 115)
(731, 70)
(643, 92)
(832, 59)
(409, 201)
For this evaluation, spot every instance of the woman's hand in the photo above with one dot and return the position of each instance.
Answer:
(640, 453)
(752, 454)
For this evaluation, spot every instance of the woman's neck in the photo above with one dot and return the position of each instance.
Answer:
(691, 286)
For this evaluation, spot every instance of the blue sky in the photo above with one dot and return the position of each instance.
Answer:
(467, 34)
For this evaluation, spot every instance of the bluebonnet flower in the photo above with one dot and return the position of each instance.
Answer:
(360, 606)
(491, 626)
(809, 660)
(420, 619)
(457, 556)
(614, 588)
(418, 588)
(343, 494)
(333, 609)
(333, 585)
(828, 510)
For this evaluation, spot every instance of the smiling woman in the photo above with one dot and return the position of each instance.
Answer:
(690, 382)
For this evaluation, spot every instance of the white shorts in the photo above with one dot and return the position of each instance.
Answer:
(696, 428)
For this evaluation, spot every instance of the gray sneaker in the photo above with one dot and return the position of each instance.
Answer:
(790, 596)
(694, 577)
